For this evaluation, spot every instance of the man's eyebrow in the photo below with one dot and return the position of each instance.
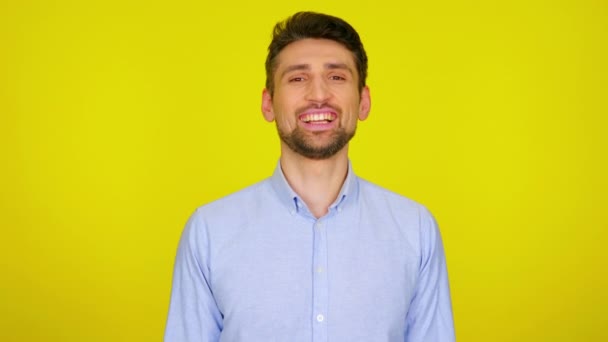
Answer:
(330, 66)
(338, 66)
(294, 68)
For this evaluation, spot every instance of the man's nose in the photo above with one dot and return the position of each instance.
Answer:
(318, 91)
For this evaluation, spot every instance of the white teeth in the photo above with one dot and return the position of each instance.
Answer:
(317, 117)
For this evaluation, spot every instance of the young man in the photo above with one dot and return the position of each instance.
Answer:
(313, 253)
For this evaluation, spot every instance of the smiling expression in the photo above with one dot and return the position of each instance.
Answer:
(316, 101)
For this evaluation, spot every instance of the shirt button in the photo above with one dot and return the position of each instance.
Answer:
(320, 318)
(319, 269)
(319, 225)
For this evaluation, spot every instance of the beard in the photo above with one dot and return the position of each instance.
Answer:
(303, 144)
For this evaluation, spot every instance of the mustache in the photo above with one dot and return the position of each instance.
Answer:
(318, 106)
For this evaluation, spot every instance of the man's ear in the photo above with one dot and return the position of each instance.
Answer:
(365, 103)
(267, 109)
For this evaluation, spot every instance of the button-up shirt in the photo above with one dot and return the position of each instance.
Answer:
(257, 266)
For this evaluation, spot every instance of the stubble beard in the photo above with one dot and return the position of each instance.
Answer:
(301, 142)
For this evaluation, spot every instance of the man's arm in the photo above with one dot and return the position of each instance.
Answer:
(193, 313)
(429, 318)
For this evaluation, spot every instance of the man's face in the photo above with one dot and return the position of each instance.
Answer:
(316, 100)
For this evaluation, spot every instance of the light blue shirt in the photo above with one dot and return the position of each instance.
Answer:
(257, 266)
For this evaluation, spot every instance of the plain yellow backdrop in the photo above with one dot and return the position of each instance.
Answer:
(119, 118)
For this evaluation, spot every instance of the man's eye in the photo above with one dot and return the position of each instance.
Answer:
(337, 78)
(296, 79)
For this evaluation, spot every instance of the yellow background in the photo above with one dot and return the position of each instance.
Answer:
(118, 119)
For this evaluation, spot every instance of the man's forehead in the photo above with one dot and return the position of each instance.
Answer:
(329, 53)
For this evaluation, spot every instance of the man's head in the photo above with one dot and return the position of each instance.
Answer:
(316, 88)
(304, 25)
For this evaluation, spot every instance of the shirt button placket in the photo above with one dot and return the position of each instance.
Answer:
(320, 283)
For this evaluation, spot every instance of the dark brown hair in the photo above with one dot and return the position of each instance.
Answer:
(304, 25)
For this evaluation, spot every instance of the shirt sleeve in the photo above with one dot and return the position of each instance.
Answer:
(193, 312)
(429, 318)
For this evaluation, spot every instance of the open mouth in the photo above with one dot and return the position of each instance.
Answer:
(318, 118)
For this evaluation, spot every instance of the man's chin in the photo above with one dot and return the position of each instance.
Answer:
(317, 150)
(316, 145)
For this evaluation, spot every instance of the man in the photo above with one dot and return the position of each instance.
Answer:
(313, 253)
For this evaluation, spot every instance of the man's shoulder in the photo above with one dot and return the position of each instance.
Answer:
(396, 205)
(373, 191)
(225, 217)
(235, 202)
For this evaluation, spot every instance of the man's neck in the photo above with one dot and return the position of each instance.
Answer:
(317, 182)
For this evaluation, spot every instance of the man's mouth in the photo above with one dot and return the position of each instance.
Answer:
(318, 118)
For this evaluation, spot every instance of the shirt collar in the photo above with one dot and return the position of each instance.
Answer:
(291, 199)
